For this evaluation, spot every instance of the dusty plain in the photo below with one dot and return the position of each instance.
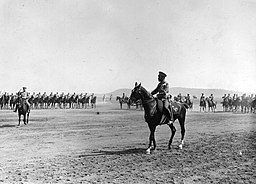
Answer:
(83, 146)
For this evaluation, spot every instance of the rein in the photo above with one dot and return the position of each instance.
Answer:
(148, 101)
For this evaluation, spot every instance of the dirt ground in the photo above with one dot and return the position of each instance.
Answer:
(81, 146)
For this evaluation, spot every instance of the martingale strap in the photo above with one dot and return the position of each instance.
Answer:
(148, 101)
(152, 111)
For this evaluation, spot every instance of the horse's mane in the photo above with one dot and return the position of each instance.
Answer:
(147, 92)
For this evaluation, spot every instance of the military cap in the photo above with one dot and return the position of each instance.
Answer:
(162, 74)
(24, 87)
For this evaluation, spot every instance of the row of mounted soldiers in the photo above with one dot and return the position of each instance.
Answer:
(53, 100)
(235, 103)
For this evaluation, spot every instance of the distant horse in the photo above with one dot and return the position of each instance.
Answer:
(23, 109)
(137, 104)
(189, 102)
(226, 104)
(244, 104)
(202, 104)
(2, 101)
(13, 101)
(211, 105)
(129, 103)
(71, 100)
(87, 101)
(93, 102)
(153, 115)
(253, 105)
(82, 101)
(120, 100)
(236, 104)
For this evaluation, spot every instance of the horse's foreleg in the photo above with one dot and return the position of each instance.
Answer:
(151, 139)
(182, 129)
(24, 119)
(19, 120)
(173, 129)
(27, 117)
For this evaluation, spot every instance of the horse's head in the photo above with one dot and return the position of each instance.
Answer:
(140, 92)
(136, 93)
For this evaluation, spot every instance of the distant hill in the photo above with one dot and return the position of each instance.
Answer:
(218, 93)
(119, 92)
(197, 92)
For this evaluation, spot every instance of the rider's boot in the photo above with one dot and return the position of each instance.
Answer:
(170, 116)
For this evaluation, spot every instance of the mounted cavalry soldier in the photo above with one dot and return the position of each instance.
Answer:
(23, 97)
(211, 97)
(162, 90)
(202, 97)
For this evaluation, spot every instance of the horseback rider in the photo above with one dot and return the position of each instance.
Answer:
(161, 90)
(179, 98)
(202, 97)
(224, 97)
(211, 97)
(23, 95)
(188, 100)
(123, 97)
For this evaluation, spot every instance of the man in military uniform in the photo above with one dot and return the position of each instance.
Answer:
(202, 97)
(23, 95)
(211, 97)
(188, 100)
(224, 97)
(161, 90)
(179, 98)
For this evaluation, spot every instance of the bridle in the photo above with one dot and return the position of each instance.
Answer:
(144, 101)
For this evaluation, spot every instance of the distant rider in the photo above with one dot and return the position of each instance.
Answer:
(211, 97)
(23, 97)
(202, 98)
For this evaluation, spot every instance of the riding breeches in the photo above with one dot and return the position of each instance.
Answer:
(168, 110)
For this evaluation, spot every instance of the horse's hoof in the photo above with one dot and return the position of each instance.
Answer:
(180, 146)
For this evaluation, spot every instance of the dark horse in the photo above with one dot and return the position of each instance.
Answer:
(23, 109)
(153, 115)
(120, 100)
(93, 102)
(211, 105)
(202, 104)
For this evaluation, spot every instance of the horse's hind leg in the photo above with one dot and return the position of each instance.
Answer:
(182, 128)
(173, 129)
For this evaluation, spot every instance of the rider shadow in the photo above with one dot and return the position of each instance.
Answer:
(117, 152)
(7, 126)
(123, 152)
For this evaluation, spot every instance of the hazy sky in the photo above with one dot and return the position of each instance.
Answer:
(100, 46)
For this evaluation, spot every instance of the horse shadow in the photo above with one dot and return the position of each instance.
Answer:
(116, 152)
(7, 126)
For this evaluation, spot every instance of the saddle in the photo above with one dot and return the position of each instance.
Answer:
(175, 107)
